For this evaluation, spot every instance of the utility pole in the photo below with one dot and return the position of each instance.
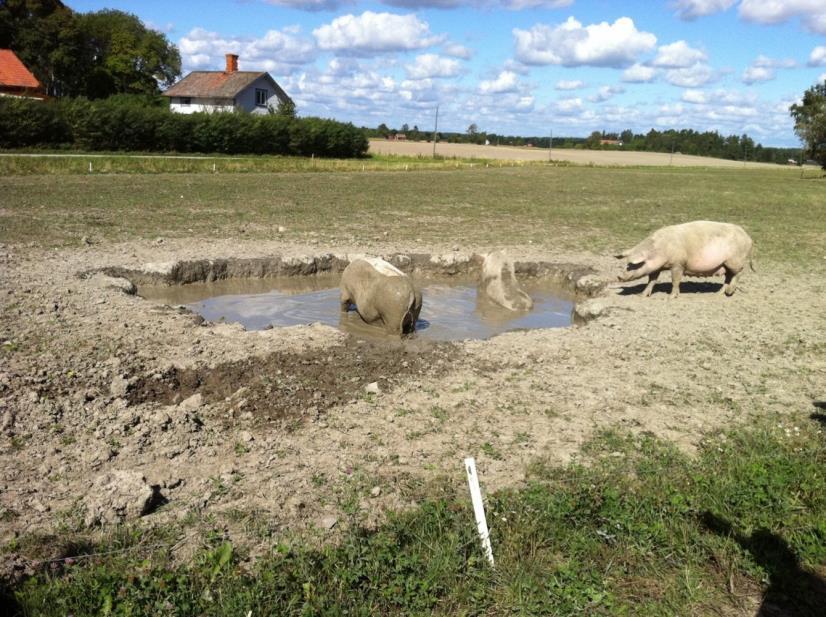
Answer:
(435, 129)
(550, 146)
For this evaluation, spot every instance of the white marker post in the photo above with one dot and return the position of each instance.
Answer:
(478, 507)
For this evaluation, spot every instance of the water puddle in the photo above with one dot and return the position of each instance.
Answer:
(451, 310)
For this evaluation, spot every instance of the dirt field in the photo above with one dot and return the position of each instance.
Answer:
(106, 398)
(581, 157)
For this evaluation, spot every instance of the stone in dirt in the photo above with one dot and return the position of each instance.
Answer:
(192, 403)
(120, 495)
(372, 388)
(119, 386)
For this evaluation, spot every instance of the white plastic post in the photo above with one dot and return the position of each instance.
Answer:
(90, 166)
(478, 508)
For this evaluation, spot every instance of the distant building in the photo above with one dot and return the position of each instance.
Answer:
(399, 137)
(227, 90)
(610, 142)
(16, 79)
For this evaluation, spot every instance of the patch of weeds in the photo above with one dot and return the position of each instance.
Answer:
(240, 448)
(439, 413)
(400, 412)
(18, 442)
(521, 438)
(490, 451)
(319, 479)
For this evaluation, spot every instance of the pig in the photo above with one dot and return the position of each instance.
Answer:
(499, 284)
(381, 293)
(699, 248)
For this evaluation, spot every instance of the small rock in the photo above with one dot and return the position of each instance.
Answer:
(86, 240)
(118, 495)
(375, 491)
(246, 436)
(281, 229)
(328, 522)
(160, 240)
(119, 386)
(192, 403)
(372, 388)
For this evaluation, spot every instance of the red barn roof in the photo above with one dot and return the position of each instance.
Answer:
(14, 74)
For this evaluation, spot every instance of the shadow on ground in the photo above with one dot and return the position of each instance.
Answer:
(792, 591)
(686, 287)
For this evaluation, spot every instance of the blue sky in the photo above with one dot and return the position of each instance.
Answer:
(523, 67)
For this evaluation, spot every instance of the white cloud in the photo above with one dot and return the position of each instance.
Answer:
(569, 106)
(505, 82)
(818, 56)
(517, 5)
(430, 65)
(678, 55)
(690, 77)
(310, 5)
(639, 73)
(569, 85)
(698, 97)
(771, 63)
(753, 74)
(277, 51)
(605, 93)
(692, 9)
(371, 32)
(457, 51)
(571, 44)
(811, 12)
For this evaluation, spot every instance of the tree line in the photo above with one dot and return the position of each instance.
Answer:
(685, 141)
(93, 55)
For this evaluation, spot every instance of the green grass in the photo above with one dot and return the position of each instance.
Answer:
(71, 163)
(635, 529)
(560, 208)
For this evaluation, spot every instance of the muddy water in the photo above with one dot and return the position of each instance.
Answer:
(451, 309)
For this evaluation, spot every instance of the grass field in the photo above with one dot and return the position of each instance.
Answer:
(633, 526)
(582, 208)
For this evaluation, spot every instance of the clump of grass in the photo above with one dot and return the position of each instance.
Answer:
(640, 529)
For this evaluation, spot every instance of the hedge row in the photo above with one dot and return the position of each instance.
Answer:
(112, 125)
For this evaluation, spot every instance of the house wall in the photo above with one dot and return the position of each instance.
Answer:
(246, 98)
(200, 104)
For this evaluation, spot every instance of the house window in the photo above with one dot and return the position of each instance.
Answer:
(186, 100)
(261, 97)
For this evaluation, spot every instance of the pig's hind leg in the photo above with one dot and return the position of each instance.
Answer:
(731, 281)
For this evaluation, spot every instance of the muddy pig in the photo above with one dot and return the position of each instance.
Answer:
(381, 292)
(699, 248)
(498, 282)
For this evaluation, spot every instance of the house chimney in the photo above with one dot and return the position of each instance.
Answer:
(232, 63)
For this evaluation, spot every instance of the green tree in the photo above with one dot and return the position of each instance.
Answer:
(127, 57)
(810, 122)
(285, 109)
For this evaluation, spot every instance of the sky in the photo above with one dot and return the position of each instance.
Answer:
(516, 67)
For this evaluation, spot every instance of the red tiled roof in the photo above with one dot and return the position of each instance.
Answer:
(217, 84)
(14, 73)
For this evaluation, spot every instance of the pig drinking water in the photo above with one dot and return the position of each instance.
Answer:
(699, 248)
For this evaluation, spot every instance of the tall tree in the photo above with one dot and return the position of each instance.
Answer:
(810, 122)
(127, 57)
(92, 54)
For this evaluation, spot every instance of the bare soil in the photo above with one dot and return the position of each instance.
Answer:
(280, 423)
(581, 157)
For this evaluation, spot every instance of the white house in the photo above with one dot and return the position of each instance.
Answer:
(227, 90)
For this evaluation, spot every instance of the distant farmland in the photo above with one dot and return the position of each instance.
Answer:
(581, 157)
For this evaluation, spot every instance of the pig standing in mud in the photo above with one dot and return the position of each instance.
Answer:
(499, 284)
(699, 248)
(381, 292)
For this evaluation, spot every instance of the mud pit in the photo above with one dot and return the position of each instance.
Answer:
(452, 309)
(278, 426)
